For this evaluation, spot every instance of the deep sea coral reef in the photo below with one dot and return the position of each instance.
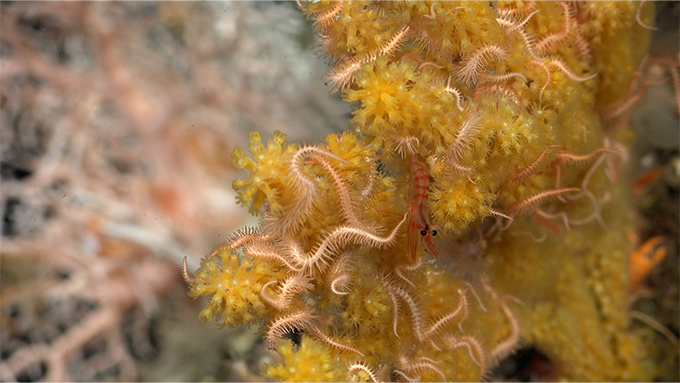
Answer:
(475, 204)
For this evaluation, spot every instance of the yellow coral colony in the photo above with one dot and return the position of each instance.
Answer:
(500, 103)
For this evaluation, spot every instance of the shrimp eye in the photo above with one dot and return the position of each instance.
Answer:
(434, 232)
(423, 233)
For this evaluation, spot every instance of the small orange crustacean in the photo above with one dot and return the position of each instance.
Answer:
(643, 260)
(419, 224)
(641, 263)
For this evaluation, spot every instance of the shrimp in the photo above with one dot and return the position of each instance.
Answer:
(420, 216)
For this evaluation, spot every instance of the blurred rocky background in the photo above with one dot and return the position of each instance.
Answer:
(117, 124)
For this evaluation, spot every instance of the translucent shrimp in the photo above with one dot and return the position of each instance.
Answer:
(419, 224)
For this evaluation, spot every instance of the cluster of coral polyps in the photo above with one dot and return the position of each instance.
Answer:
(490, 131)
